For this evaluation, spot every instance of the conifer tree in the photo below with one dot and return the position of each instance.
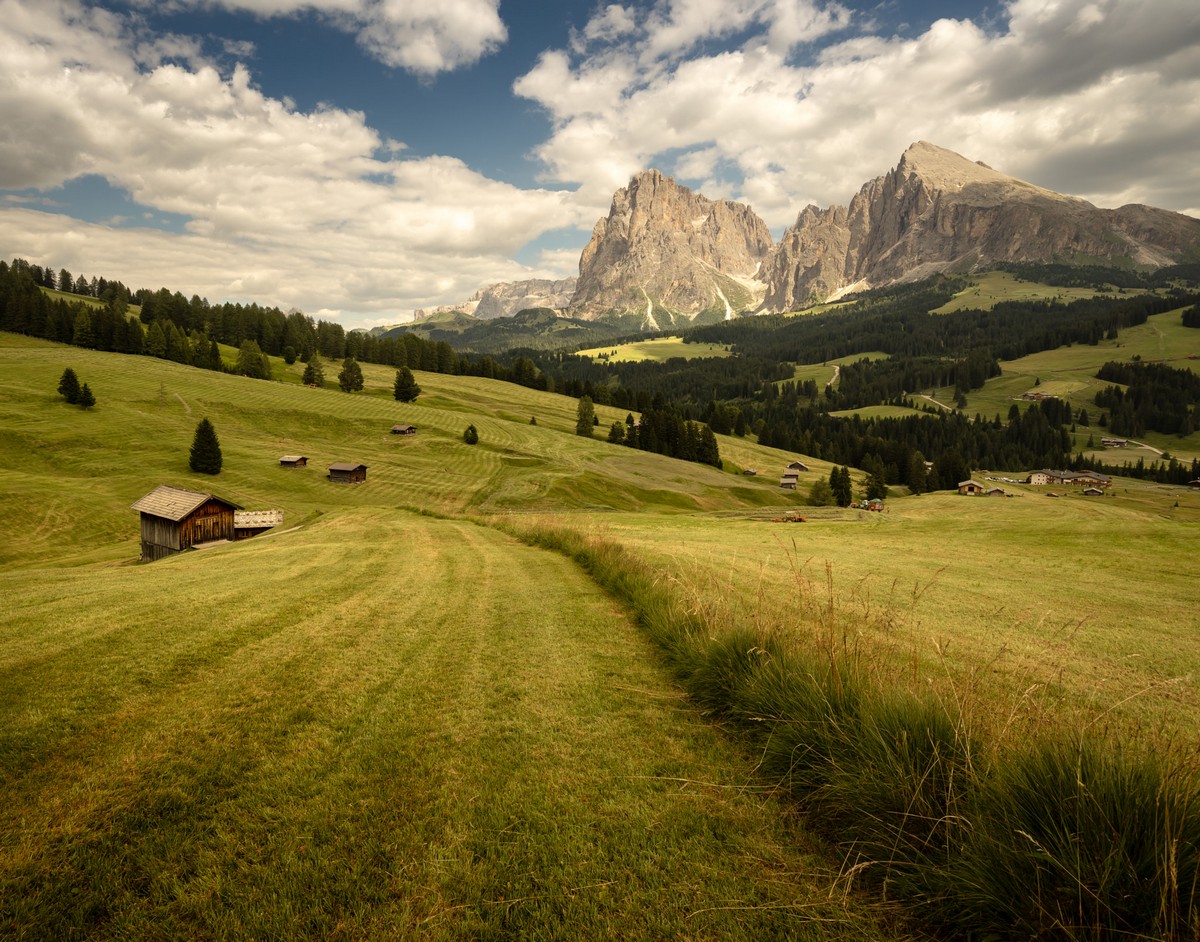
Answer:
(585, 417)
(350, 379)
(86, 399)
(471, 436)
(206, 450)
(68, 386)
(405, 388)
(314, 373)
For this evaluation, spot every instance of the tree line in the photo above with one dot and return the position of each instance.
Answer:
(1157, 398)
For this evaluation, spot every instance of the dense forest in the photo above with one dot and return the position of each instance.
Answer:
(1157, 398)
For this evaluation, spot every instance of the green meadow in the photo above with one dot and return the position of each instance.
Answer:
(400, 717)
(988, 289)
(1070, 373)
(657, 349)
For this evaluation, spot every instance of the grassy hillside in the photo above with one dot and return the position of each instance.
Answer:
(394, 720)
(988, 289)
(657, 349)
(1070, 372)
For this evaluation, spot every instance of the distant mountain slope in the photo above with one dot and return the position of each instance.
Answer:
(938, 211)
(536, 329)
(506, 298)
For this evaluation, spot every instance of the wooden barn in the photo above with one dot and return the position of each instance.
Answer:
(294, 461)
(175, 519)
(970, 487)
(797, 466)
(346, 472)
(404, 430)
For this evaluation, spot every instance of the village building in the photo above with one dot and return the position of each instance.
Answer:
(1114, 442)
(1195, 483)
(404, 430)
(788, 480)
(248, 523)
(797, 466)
(347, 472)
(994, 492)
(175, 519)
(971, 488)
(293, 461)
(1078, 478)
(1093, 492)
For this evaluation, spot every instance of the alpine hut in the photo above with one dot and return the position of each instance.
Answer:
(294, 461)
(348, 472)
(175, 519)
(404, 430)
(248, 523)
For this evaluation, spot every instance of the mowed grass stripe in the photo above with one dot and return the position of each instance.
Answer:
(445, 734)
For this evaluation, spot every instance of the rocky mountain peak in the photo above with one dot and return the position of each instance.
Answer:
(937, 211)
(671, 252)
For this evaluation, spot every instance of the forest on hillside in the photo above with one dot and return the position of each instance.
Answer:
(752, 392)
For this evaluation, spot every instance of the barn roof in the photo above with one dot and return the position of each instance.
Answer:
(252, 519)
(347, 466)
(175, 503)
(292, 459)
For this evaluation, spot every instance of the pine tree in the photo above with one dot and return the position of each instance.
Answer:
(68, 386)
(350, 379)
(839, 483)
(616, 434)
(405, 388)
(585, 417)
(206, 450)
(86, 399)
(314, 373)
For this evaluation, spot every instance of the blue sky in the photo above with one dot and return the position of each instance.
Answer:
(359, 159)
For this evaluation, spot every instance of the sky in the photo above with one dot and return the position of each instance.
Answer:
(362, 159)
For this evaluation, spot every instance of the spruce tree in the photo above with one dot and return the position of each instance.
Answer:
(68, 386)
(86, 399)
(314, 373)
(350, 379)
(585, 417)
(405, 388)
(206, 450)
(471, 436)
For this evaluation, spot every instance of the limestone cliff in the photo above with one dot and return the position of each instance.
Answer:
(506, 298)
(938, 211)
(671, 253)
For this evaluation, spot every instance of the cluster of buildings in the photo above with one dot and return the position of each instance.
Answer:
(175, 519)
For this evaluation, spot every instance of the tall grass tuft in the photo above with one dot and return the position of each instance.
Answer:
(1058, 838)
(1072, 840)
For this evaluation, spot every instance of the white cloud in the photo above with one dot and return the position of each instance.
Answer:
(1097, 98)
(297, 205)
(424, 38)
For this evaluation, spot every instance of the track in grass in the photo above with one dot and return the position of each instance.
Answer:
(382, 726)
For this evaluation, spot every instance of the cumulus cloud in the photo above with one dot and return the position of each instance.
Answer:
(300, 206)
(423, 38)
(1091, 97)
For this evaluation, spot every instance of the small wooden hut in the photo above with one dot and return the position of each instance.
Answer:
(248, 523)
(404, 430)
(797, 466)
(970, 487)
(347, 472)
(175, 519)
(294, 461)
